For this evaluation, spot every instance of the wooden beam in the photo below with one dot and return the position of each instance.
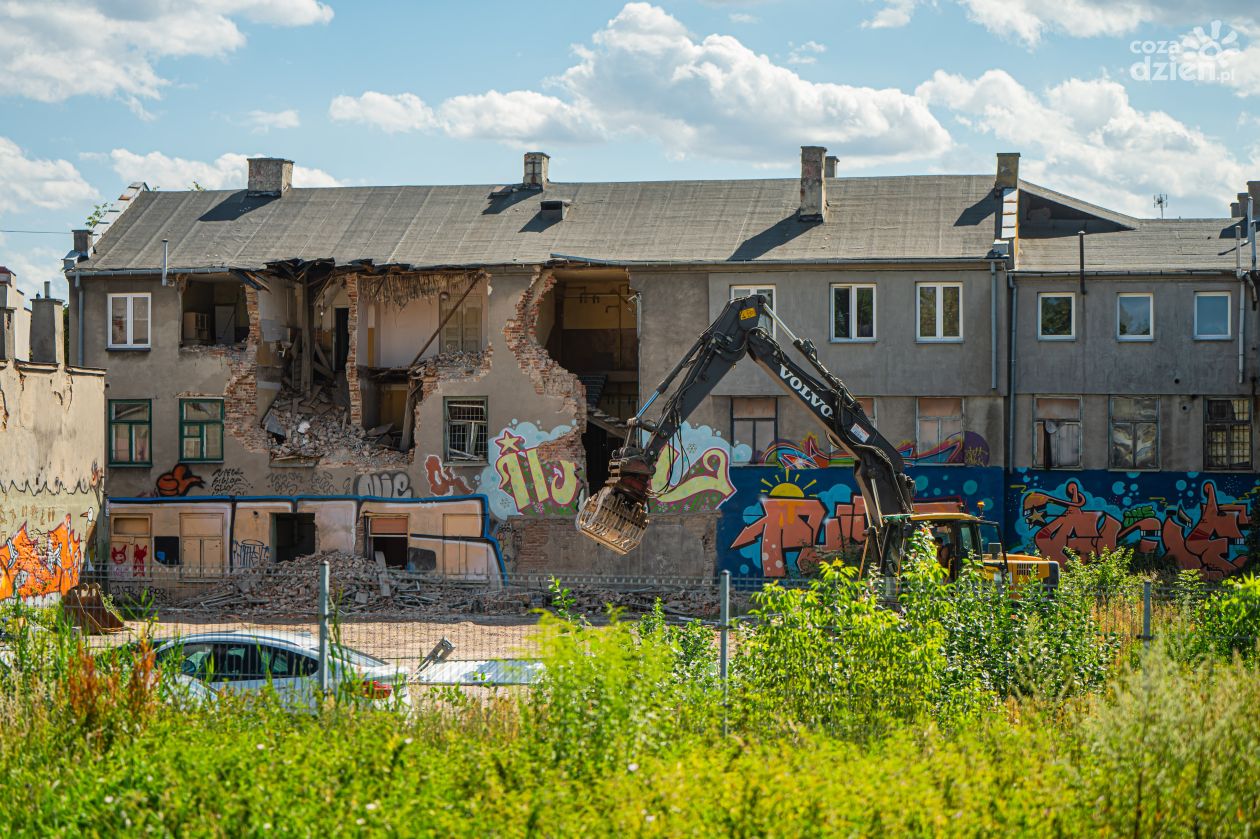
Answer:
(308, 340)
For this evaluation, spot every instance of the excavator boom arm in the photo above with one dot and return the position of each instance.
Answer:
(617, 515)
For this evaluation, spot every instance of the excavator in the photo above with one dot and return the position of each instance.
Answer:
(617, 515)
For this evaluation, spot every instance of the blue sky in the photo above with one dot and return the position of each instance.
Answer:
(97, 93)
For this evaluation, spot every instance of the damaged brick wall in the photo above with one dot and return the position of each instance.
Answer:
(352, 354)
(675, 545)
(240, 396)
(548, 377)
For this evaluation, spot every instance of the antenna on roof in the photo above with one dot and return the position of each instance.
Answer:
(1161, 201)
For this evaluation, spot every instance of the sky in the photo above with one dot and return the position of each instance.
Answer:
(1114, 101)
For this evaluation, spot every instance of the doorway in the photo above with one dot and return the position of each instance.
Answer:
(341, 339)
(293, 535)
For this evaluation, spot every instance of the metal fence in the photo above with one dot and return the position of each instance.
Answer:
(443, 631)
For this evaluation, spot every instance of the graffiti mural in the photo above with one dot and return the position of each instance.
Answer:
(1200, 521)
(780, 522)
(966, 449)
(178, 482)
(442, 479)
(229, 482)
(534, 484)
(300, 481)
(694, 476)
(249, 553)
(382, 485)
(34, 564)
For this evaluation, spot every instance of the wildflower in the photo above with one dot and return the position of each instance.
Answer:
(371, 805)
(634, 767)
(109, 799)
(261, 747)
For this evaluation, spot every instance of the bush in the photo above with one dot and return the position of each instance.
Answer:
(1229, 621)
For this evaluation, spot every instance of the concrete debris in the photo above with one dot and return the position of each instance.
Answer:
(359, 586)
(449, 365)
(316, 426)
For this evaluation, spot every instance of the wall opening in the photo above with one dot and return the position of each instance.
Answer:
(387, 536)
(214, 313)
(292, 535)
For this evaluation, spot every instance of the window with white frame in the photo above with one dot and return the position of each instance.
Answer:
(755, 423)
(1211, 315)
(1135, 317)
(766, 291)
(853, 312)
(940, 311)
(1057, 432)
(1227, 434)
(466, 431)
(1056, 316)
(128, 321)
(940, 420)
(1134, 432)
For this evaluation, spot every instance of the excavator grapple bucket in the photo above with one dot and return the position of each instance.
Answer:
(614, 518)
(86, 606)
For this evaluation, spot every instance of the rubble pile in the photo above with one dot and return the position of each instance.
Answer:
(317, 426)
(450, 365)
(361, 586)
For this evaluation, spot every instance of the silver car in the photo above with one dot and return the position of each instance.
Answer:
(208, 664)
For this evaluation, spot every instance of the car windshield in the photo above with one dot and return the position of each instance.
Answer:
(353, 657)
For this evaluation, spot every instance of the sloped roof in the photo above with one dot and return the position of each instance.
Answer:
(939, 217)
(1154, 245)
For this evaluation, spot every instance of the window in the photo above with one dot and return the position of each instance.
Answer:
(466, 431)
(940, 311)
(853, 313)
(201, 430)
(940, 419)
(1211, 315)
(1227, 434)
(1056, 317)
(1057, 432)
(1135, 319)
(130, 428)
(462, 333)
(754, 422)
(738, 291)
(128, 321)
(1134, 432)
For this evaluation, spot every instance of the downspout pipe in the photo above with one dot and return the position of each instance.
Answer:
(1012, 335)
(78, 285)
(993, 324)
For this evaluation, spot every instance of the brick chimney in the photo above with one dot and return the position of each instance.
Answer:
(813, 184)
(47, 331)
(1007, 170)
(536, 165)
(269, 176)
(1253, 192)
(83, 242)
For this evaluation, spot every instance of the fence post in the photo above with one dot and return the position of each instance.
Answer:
(324, 680)
(1146, 614)
(724, 632)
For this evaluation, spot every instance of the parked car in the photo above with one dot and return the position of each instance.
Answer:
(247, 662)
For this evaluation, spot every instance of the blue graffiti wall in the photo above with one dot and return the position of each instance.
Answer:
(779, 520)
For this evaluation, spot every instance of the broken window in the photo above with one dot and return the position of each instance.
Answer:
(1134, 432)
(129, 321)
(853, 313)
(766, 291)
(754, 422)
(462, 332)
(213, 313)
(388, 538)
(130, 429)
(201, 429)
(1057, 433)
(940, 311)
(1227, 434)
(1135, 320)
(940, 422)
(1056, 316)
(466, 430)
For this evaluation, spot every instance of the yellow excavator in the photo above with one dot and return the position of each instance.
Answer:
(617, 515)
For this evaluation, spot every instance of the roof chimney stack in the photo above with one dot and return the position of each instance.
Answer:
(813, 184)
(1253, 193)
(829, 166)
(83, 242)
(536, 170)
(1007, 170)
(269, 176)
(47, 331)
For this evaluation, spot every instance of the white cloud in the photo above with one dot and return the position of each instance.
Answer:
(35, 266)
(55, 50)
(743, 17)
(1084, 137)
(26, 181)
(806, 53)
(228, 171)
(645, 74)
(264, 121)
(388, 112)
(1030, 20)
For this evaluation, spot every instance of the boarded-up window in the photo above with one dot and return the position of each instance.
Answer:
(130, 548)
(455, 553)
(1057, 433)
(201, 543)
(388, 535)
(940, 421)
(462, 332)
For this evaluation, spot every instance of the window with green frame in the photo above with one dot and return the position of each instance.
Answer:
(201, 430)
(130, 429)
